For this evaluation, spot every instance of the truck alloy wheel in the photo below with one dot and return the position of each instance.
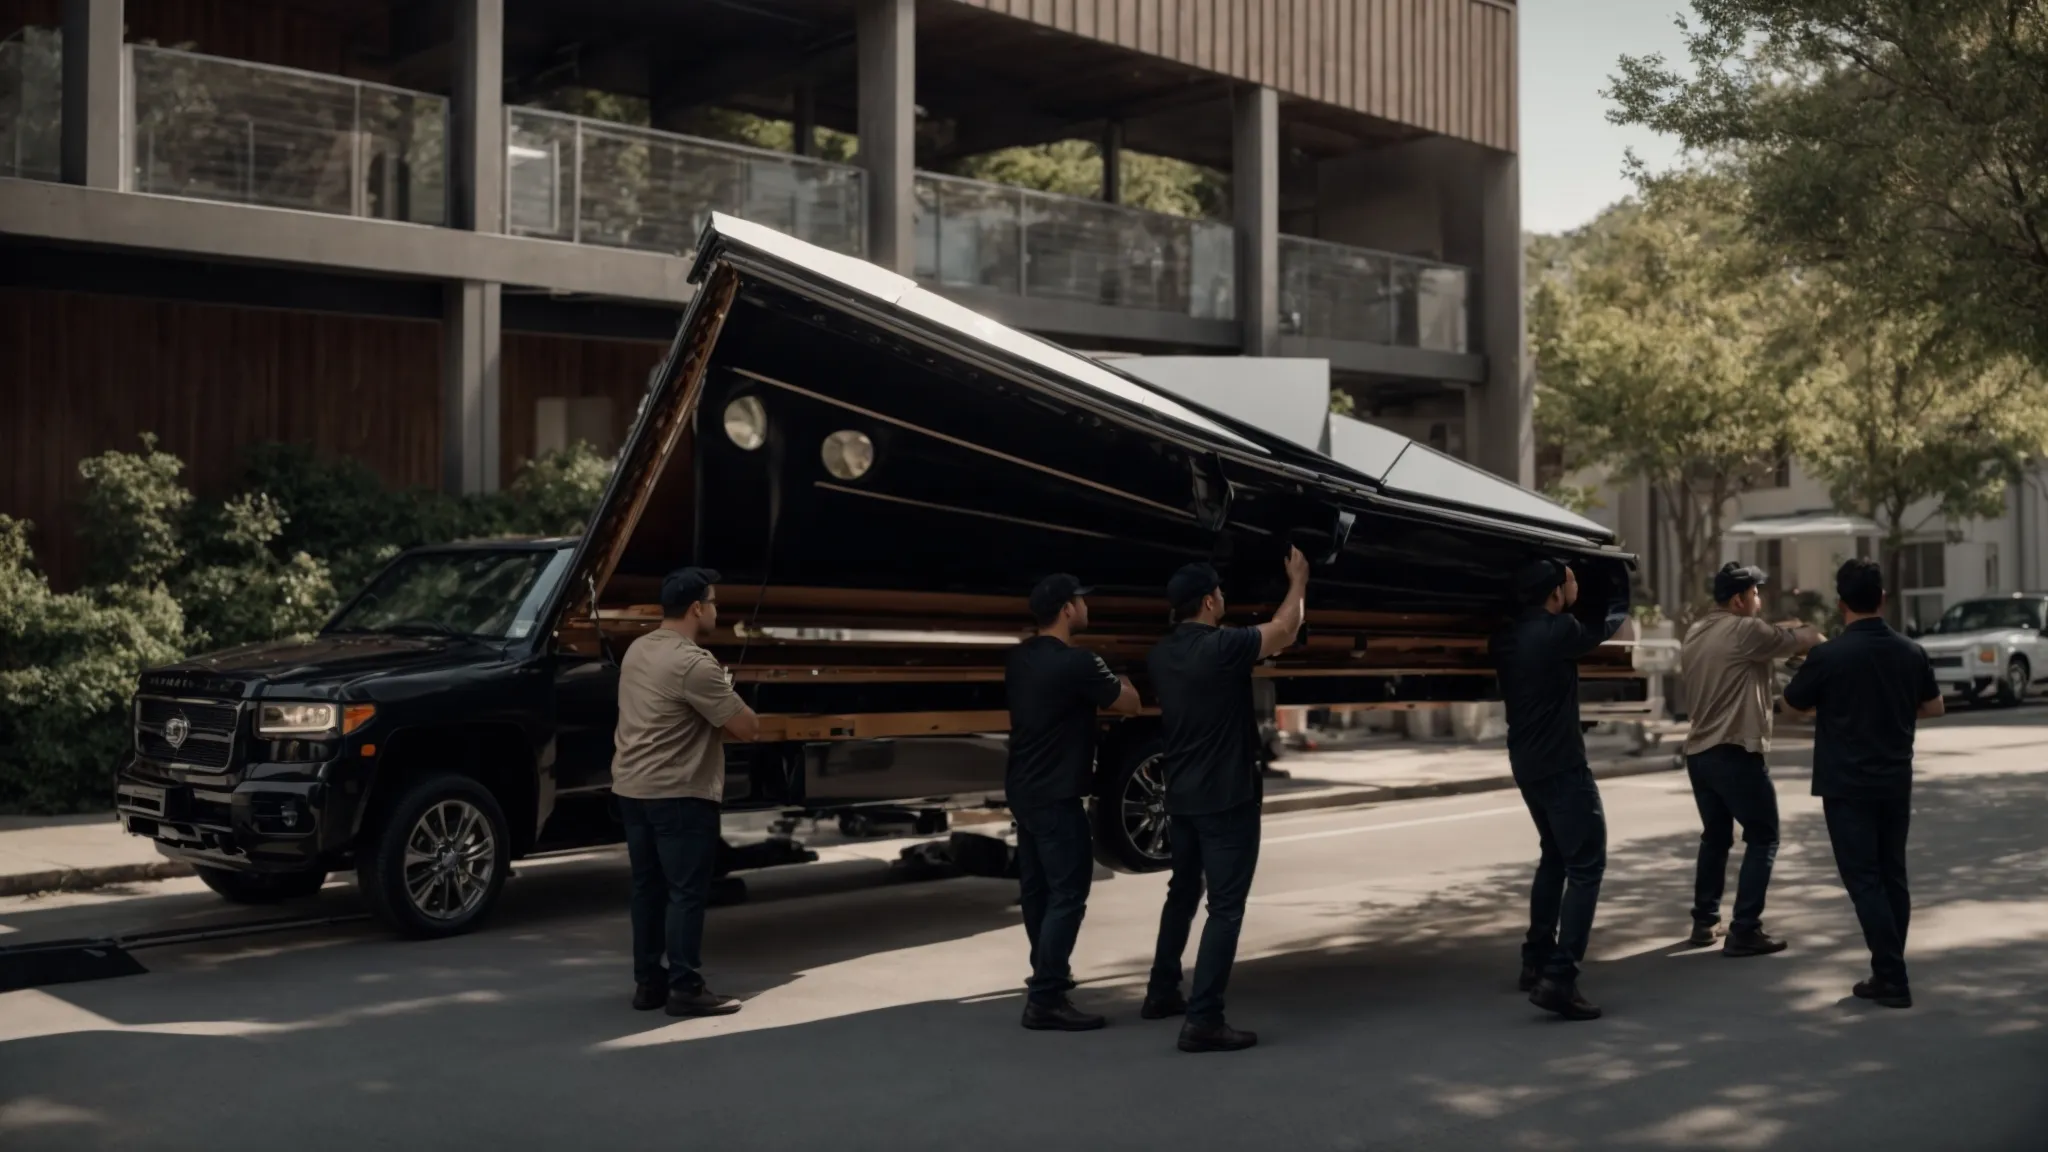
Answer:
(439, 860)
(1132, 830)
(2013, 688)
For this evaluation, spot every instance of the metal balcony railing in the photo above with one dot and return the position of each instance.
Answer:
(1337, 292)
(219, 129)
(595, 182)
(31, 104)
(971, 234)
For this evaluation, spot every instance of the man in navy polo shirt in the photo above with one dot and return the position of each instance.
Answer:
(1055, 691)
(1202, 673)
(1867, 689)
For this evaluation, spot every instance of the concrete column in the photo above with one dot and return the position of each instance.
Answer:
(477, 117)
(1506, 440)
(1255, 204)
(804, 122)
(1113, 162)
(469, 387)
(94, 148)
(886, 31)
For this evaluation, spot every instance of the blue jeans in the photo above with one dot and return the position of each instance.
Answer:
(1573, 832)
(1731, 784)
(1220, 849)
(673, 847)
(1055, 867)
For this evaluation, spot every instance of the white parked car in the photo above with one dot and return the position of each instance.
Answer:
(1994, 648)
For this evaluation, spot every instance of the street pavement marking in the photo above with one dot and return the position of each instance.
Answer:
(1394, 824)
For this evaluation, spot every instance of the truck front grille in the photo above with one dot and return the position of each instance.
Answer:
(1945, 661)
(193, 733)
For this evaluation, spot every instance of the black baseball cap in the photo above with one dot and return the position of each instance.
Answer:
(1052, 594)
(1537, 579)
(1191, 583)
(684, 587)
(1734, 579)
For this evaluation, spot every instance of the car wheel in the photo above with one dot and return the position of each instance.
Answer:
(2013, 688)
(440, 858)
(1132, 831)
(260, 887)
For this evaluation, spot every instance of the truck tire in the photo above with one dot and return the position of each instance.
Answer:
(260, 887)
(438, 860)
(1132, 833)
(2012, 687)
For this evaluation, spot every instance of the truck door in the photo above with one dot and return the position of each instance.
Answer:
(586, 713)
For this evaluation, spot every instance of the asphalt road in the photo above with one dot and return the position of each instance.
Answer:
(1378, 965)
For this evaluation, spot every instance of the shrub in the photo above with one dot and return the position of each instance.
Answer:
(248, 594)
(131, 515)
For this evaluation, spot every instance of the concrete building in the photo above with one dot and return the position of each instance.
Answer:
(1792, 529)
(344, 222)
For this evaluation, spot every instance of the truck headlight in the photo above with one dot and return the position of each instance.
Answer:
(297, 719)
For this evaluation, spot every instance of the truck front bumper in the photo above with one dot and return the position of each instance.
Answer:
(261, 825)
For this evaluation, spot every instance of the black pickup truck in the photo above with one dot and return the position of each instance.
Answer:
(880, 474)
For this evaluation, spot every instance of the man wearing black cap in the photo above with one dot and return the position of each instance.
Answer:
(1868, 688)
(1538, 660)
(676, 706)
(1203, 676)
(1055, 691)
(1728, 662)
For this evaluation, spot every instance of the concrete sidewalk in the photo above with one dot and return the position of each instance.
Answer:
(56, 853)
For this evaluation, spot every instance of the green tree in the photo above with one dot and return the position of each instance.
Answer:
(1901, 144)
(1649, 331)
(1074, 168)
(1900, 414)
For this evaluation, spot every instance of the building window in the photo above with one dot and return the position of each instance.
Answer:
(559, 421)
(1922, 576)
(1991, 567)
(1771, 557)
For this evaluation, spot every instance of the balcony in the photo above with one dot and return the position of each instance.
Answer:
(1337, 292)
(31, 104)
(595, 182)
(1034, 244)
(218, 129)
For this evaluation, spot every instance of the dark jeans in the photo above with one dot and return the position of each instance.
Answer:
(1869, 836)
(673, 847)
(1732, 784)
(1222, 850)
(1055, 865)
(1573, 832)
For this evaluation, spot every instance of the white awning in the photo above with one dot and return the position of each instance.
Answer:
(1805, 524)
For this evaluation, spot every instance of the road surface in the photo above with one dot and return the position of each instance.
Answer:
(1378, 963)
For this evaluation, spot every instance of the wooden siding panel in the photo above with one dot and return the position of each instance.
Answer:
(208, 380)
(1447, 66)
(533, 366)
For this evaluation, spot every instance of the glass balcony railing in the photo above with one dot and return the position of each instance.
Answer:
(976, 235)
(595, 182)
(1337, 292)
(31, 104)
(218, 129)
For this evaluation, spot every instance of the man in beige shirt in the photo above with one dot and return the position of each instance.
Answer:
(676, 707)
(1727, 663)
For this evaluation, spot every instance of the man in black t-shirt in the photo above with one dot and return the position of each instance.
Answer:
(1869, 688)
(1054, 691)
(1537, 658)
(1202, 674)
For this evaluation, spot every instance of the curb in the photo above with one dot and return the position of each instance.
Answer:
(1349, 797)
(80, 879)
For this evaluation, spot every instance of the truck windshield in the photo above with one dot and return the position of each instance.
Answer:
(491, 595)
(1984, 615)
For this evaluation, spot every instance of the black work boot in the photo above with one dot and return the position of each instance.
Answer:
(1528, 979)
(702, 1002)
(1564, 999)
(1752, 942)
(1884, 993)
(1703, 935)
(1060, 1017)
(1162, 1007)
(648, 997)
(1214, 1036)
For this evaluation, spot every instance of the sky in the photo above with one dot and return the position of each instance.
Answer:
(1571, 156)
